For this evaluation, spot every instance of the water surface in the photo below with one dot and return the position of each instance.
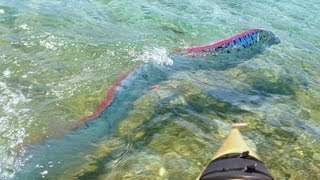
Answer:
(58, 59)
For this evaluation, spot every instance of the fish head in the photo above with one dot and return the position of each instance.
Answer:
(268, 38)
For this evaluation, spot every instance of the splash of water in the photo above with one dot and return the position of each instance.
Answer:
(156, 55)
(12, 127)
(51, 42)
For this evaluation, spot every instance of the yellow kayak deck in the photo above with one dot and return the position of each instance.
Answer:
(235, 160)
(235, 143)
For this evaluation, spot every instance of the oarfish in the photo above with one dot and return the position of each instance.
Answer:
(235, 43)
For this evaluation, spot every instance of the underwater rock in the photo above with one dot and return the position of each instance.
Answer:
(268, 82)
(236, 97)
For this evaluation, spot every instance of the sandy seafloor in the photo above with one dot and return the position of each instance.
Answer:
(57, 59)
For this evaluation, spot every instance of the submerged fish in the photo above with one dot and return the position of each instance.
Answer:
(236, 43)
(50, 158)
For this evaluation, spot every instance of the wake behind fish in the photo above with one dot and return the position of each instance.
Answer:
(155, 55)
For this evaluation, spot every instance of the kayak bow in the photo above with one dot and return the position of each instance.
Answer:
(235, 160)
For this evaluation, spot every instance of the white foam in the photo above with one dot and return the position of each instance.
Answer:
(44, 172)
(25, 27)
(155, 55)
(14, 121)
(6, 73)
(9, 99)
(51, 42)
(1, 11)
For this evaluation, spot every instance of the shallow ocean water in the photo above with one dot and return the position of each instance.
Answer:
(58, 59)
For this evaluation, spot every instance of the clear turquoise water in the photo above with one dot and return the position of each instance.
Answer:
(58, 58)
